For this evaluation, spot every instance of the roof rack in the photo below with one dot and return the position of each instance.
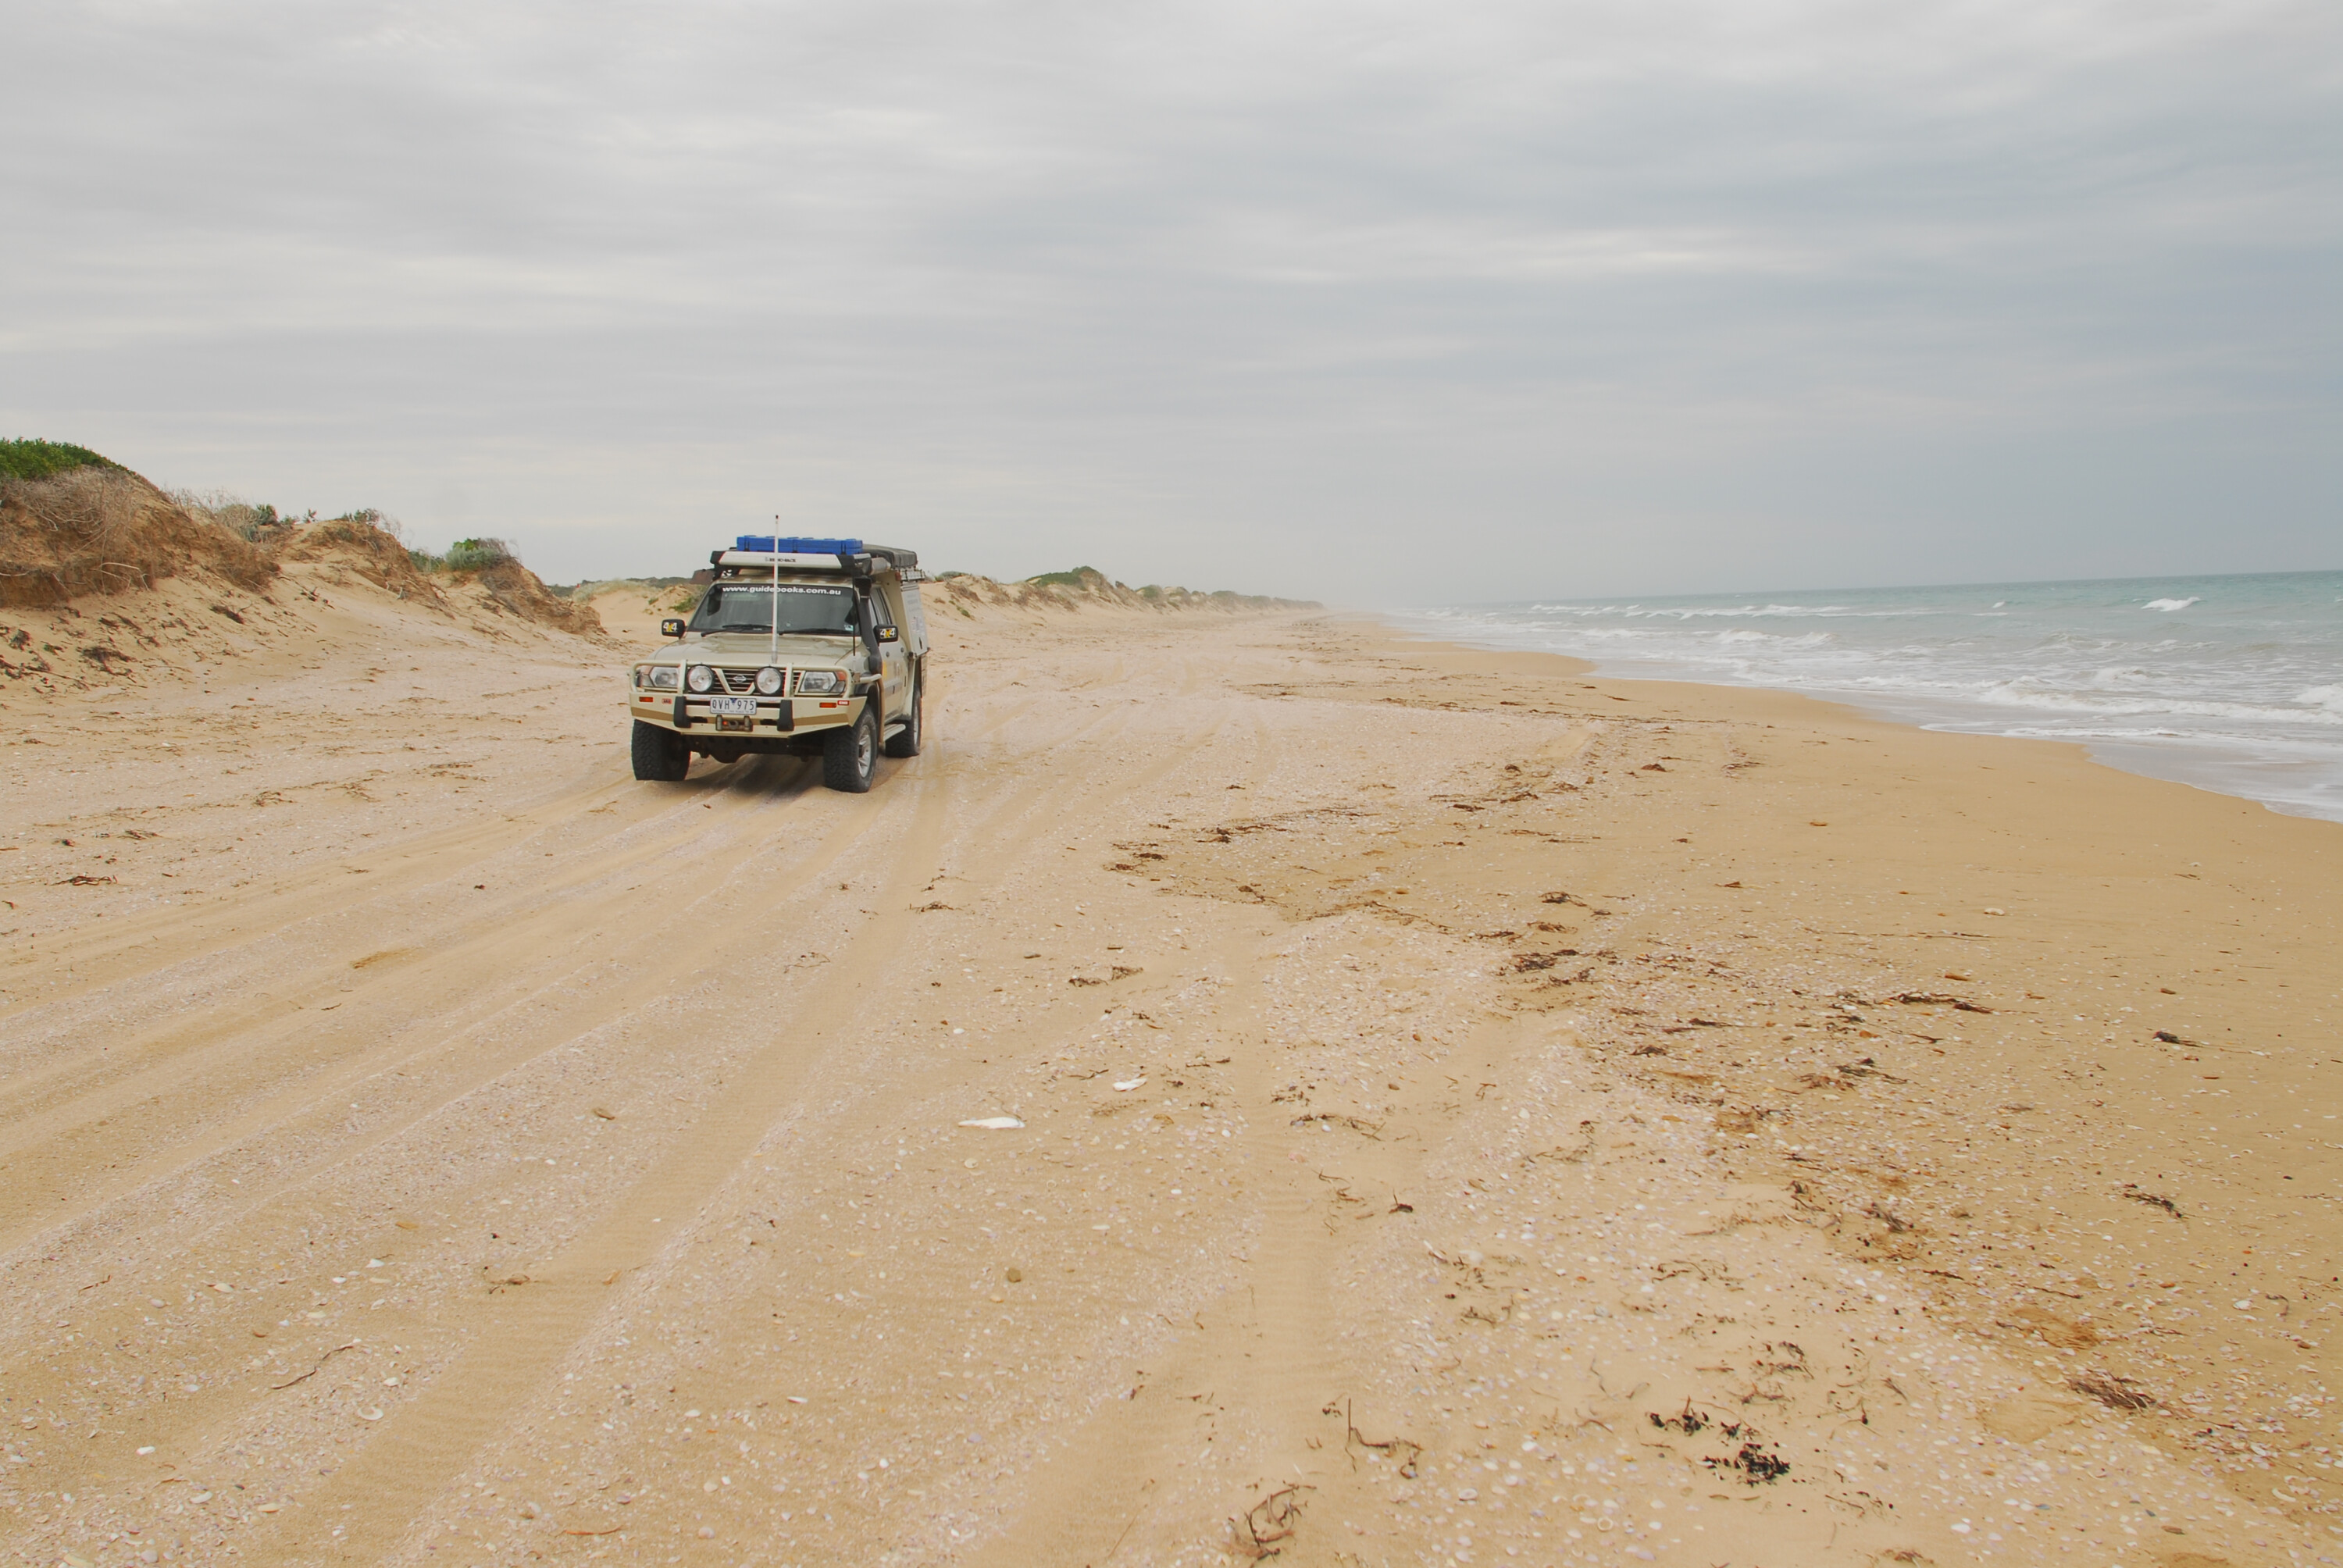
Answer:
(772, 550)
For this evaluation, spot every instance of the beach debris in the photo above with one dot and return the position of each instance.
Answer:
(1990, 910)
(2115, 1392)
(321, 1360)
(1938, 999)
(1689, 1420)
(1015, 1276)
(2153, 1199)
(1124, 1086)
(1757, 1467)
(1258, 1531)
(994, 1123)
(606, 1115)
(1405, 1449)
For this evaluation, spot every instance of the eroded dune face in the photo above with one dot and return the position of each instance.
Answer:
(104, 531)
(1464, 1111)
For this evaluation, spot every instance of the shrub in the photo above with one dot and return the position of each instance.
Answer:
(240, 517)
(475, 555)
(374, 517)
(1065, 580)
(31, 459)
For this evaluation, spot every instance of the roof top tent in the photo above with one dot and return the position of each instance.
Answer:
(889, 570)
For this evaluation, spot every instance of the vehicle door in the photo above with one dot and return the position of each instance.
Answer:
(894, 657)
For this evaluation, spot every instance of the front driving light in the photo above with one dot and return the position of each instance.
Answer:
(701, 679)
(820, 682)
(768, 681)
(657, 676)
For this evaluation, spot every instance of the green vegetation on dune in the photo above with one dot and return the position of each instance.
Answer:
(1066, 580)
(30, 459)
(463, 556)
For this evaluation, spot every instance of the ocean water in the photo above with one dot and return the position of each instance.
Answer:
(2229, 683)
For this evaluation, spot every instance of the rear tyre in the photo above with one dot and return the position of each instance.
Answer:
(660, 755)
(849, 756)
(905, 742)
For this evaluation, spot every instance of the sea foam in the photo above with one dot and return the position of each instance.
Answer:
(2233, 683)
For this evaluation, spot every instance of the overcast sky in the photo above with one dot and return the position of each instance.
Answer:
(1378, 303)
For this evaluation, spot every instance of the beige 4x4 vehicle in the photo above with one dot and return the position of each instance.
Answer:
(800, 646)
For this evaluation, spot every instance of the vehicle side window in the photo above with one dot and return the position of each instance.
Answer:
(915, 620)
(899, 605)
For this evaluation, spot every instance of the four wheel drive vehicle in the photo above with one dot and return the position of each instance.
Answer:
(800, 646)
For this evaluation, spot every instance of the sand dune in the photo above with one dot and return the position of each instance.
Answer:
(1470, 1113)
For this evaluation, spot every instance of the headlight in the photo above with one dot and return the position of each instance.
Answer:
(657, 676)
(701, 679)
(820, 683)
(768, 681)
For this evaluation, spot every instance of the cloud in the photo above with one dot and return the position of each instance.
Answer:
(1192, 290)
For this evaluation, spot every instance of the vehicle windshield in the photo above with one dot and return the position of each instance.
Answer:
(752, 607)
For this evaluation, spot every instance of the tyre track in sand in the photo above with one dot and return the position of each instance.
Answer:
(459, 970)
(492, 1390)
(515, 1341)
(480, 965)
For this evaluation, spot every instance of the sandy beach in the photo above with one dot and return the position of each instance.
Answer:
(1471, 1112)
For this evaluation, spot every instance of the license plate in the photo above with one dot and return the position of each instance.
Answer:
(733, 706)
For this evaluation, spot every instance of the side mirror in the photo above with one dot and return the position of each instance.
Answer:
(671, 626)
(887, 633)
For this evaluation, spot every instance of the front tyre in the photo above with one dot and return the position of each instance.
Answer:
(849, 756)
(905, 742)
(660, 755)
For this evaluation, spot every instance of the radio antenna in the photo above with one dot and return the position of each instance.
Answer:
(773, 657)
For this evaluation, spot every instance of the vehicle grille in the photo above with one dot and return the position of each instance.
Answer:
(737, 680)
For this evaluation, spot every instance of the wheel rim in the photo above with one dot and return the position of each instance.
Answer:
(863, 748)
